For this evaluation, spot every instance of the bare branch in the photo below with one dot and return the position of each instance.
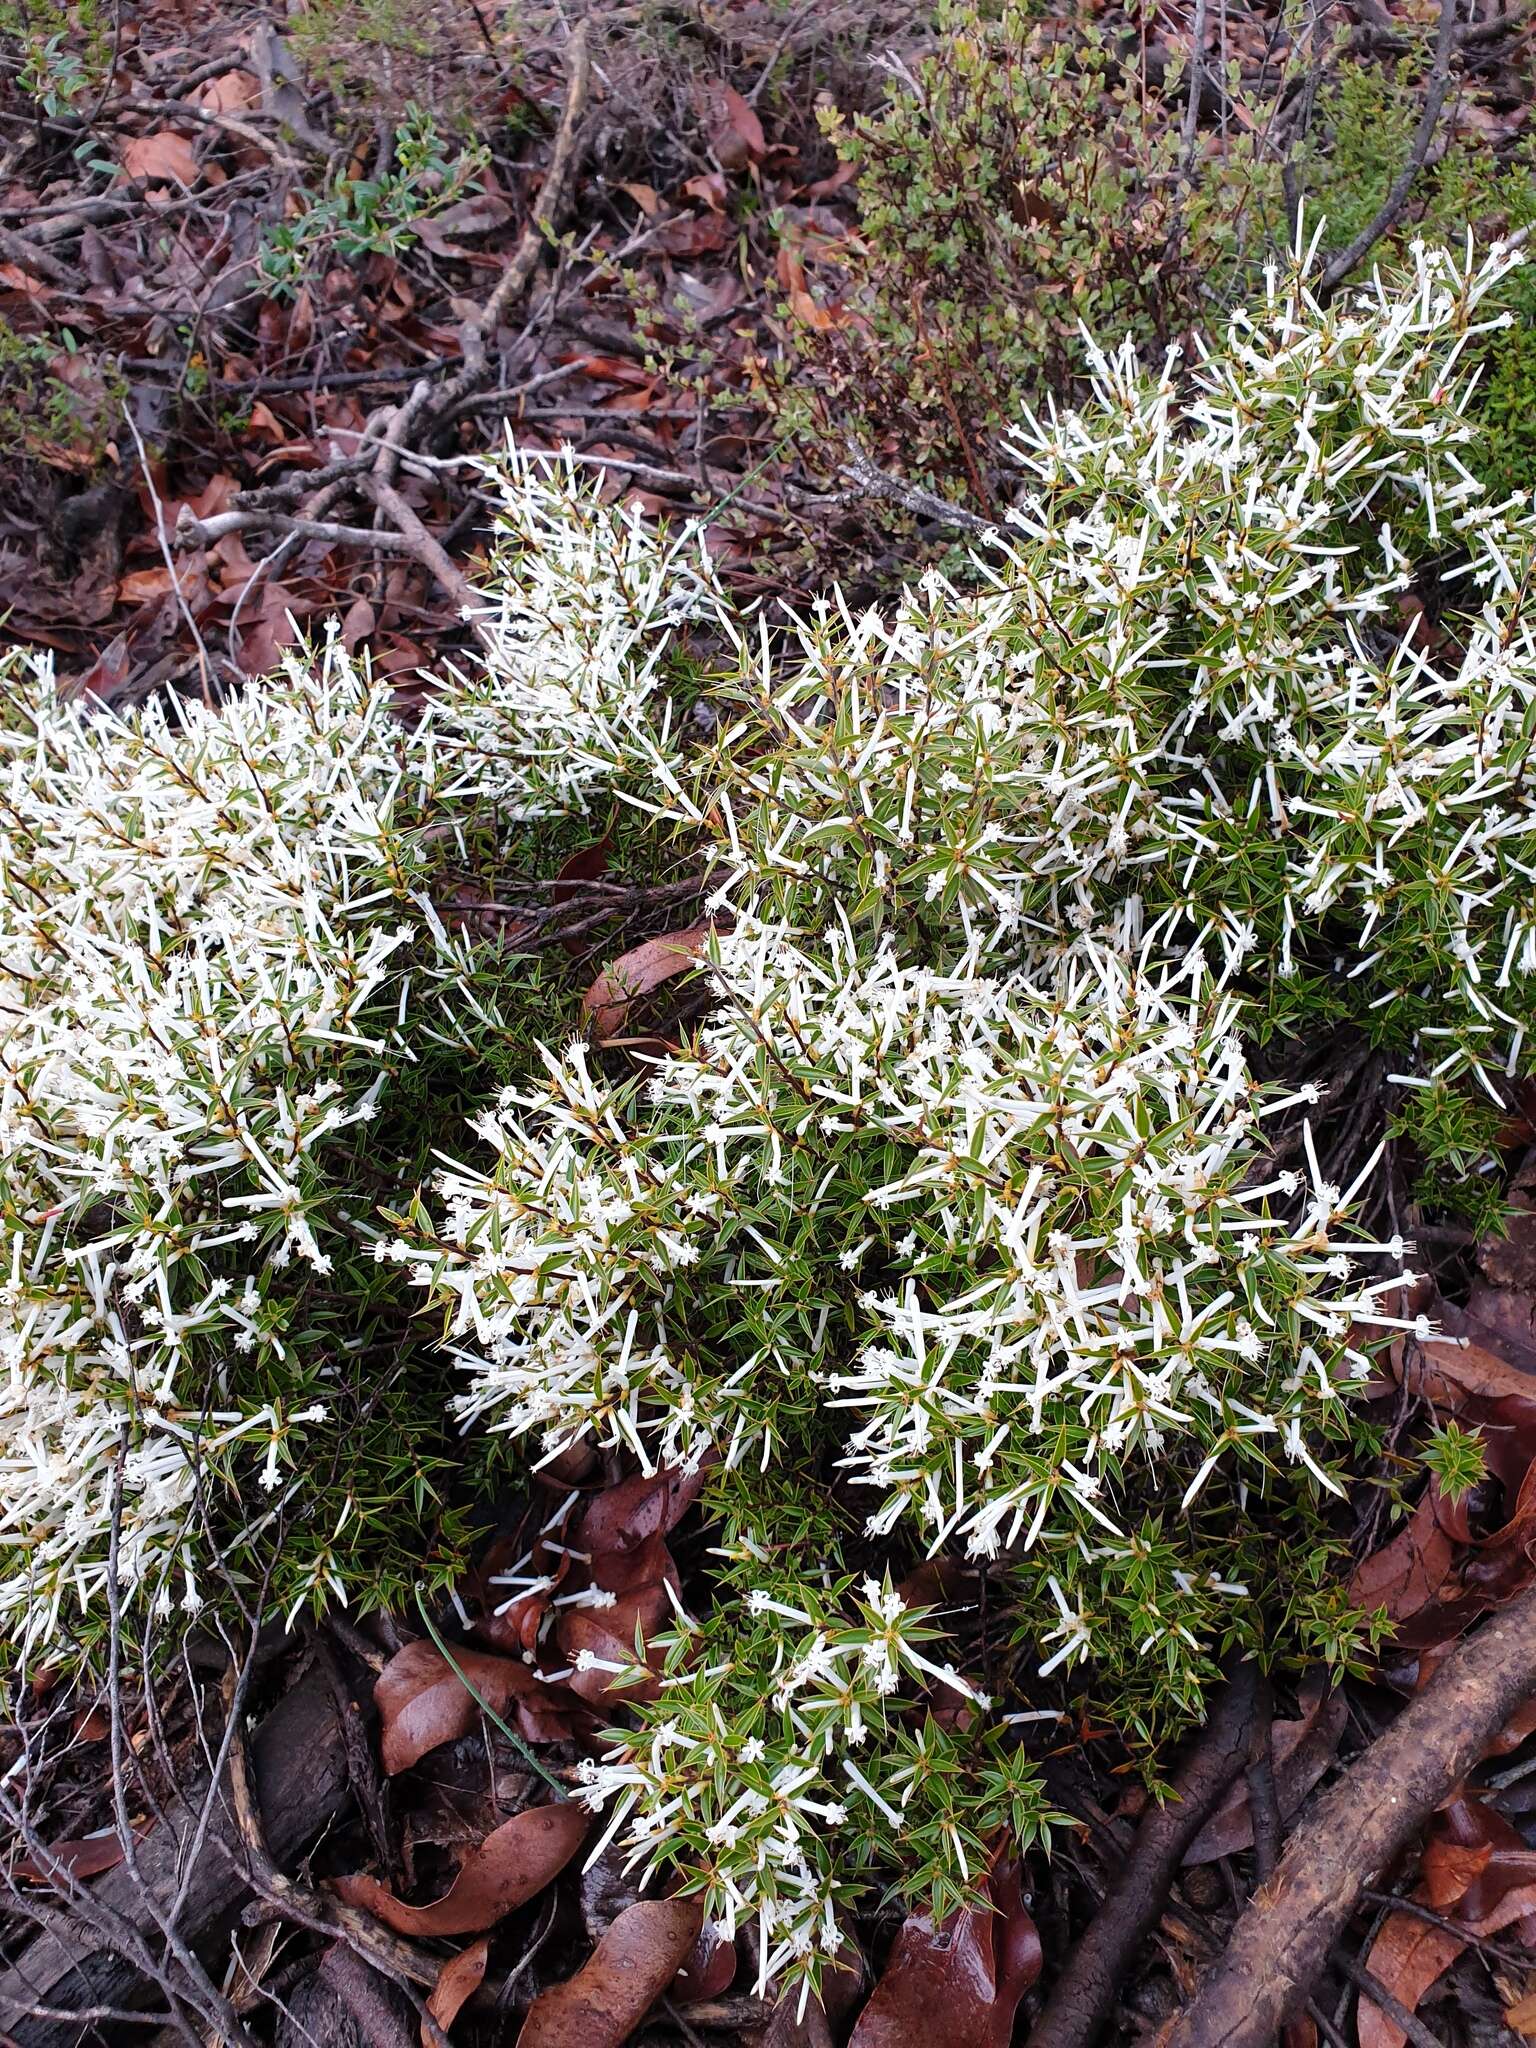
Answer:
(1341, 264)
(1283, 1940)
(872, 482)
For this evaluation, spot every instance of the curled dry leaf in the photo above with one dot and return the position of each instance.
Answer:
(1476, 1871)
(1436, 1575)
(81, 1856)
(1407, 1957)
(708, 1970)
(640, 1584)
(625, 1516)
(1470, 1380)
(601, 2006)
(512, 1864)
(735, 133)
(161, 158)
(1410, 1572)
(959, 1982)
(511, 1618)
(1477, 1868)
(459, 1978)
(635, 973)
(422, 1701)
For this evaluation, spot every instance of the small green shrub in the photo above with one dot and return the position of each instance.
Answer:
(1025, 182)
(379, 216)
(1018, 186)
(61, 52)
(59, 404)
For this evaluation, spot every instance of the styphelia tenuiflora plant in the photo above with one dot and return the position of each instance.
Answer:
(968, 1221)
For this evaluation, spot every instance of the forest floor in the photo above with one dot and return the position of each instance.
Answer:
(269, 287)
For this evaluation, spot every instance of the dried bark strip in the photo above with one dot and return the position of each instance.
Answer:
(1282, 1942)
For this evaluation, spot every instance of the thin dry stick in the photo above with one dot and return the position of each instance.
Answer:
(428, 406)
(1372, 1987)
(1189, 136)
(1339, 266)
(873, 482)
(542, 222)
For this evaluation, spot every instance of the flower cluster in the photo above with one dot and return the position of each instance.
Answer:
(1013, 1242)
(219, 953)
(779, 1760)
(961, 1213)
(1184, 684)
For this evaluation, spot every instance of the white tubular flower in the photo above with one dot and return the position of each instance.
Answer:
(217, 946)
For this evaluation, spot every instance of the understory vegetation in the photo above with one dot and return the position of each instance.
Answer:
(784, 1142)
(962, 1219)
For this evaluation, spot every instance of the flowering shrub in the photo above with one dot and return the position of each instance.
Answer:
(220, 954)
(777, 1768)
(960, 1227)
(961, 1195)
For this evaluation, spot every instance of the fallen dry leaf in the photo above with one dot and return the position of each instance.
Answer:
(1476, 1871)
(81, 1856)
(360, 623)
(162, 158)
(512, 1864)
(708, 1970)
(423, 1702)
(457, 1980)
(579, 1631)
(229, 93)
(959, 1983)
(601, 2006)
(512, 1620)
(1477, 1868)
(1407, 1957)
(635, 973)
(625, 1516)
(735, 133)
(1409, 1572)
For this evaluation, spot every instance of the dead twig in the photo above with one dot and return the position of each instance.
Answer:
(1340, 265)
(1263, 1802)
(387, 440)
(1283, 1940)
(547, 210)
(1084, 1994)
(872, 482)
(35, 261)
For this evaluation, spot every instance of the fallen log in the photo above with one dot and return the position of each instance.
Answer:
(1282, 1941)
(299, 1768)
